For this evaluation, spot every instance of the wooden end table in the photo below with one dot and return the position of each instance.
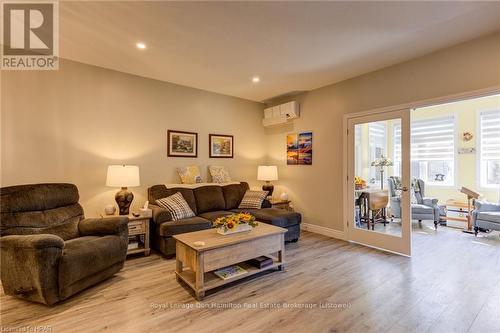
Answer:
(281, 204)
(195, 264)
(137, 227)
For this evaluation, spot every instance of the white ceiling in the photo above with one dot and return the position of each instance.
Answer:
(292, 46)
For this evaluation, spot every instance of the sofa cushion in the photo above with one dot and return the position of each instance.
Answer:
(219, 174)
(86, 256)
(489, 216)
(421, 209)
(233, 194)
(161, 191)
(171, 228)
(40, 209)
(177, 206)
(253, 199)
(278, 217)
(209, 198)
(189, 174)
(212, 216)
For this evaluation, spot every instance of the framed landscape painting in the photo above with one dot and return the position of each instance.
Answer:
(182, 144)
(299, 148)
(220, 145)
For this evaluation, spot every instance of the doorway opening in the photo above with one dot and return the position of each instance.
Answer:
(454, 146)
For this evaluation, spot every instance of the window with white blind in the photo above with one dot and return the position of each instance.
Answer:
(377, 137)
(432, 150)
(489, 148)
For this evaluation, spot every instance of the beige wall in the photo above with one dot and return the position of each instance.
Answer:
(68, 125)
(317, 189)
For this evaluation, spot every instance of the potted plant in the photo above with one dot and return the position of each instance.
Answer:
(235, 223)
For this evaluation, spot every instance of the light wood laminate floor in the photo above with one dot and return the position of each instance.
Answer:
(451, 284)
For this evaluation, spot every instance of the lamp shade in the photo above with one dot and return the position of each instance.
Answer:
(267, 172)
(123, 176)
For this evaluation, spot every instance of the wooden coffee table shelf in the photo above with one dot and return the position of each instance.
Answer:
(212, 281)
(195, 264)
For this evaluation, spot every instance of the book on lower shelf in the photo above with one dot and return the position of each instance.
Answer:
(261, 262)
(229, 272)
(133, 245)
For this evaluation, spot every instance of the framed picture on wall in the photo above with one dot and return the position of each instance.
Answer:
(220, 146)
(182, 144)
(299, 148)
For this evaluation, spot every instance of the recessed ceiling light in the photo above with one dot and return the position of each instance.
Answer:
(256, 79)
(140, 45)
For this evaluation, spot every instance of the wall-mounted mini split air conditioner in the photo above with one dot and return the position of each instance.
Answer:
(281, 114)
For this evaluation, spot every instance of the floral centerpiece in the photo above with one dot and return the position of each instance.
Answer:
(359, 183)
(233, 223)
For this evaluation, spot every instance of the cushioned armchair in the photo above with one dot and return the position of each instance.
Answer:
(424, 209)
(48, 250)
(486, 215)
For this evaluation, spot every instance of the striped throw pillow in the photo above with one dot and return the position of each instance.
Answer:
(253, 199)
(177, 206)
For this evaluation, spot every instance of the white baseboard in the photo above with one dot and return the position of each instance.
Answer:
(323, 231)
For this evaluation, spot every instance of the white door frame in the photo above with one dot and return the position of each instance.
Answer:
(411, 105)
(400, 244)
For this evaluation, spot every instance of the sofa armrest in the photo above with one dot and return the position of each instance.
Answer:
(396, 198)
(160, 215)
(484, 206)
(30, 266)
(104, 226)
(431, 202)
(40, 241)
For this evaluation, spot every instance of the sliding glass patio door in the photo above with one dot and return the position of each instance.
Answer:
(378, 181)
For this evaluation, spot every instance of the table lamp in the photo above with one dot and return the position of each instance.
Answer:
(123, 176)
(267, 173)
(380, 163)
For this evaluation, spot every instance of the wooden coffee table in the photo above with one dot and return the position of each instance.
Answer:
(195, 264)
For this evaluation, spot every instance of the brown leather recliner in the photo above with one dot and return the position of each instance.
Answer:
(49, 251)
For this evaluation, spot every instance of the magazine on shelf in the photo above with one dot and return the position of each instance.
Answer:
(229, 272)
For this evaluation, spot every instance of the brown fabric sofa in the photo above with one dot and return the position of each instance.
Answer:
(48, 250)
(208, 203)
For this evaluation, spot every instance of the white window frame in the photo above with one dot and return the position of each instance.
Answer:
(479, 184)
(454, 116)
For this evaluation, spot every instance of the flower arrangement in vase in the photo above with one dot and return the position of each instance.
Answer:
(235, 223)
(359, 183)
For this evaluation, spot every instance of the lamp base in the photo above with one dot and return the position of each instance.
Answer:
(124, 199)
(269, 188)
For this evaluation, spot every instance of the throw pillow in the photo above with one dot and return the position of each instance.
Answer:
(397, 182)
(413, 198)
(253, 199)
(177, 206)
(219, 174)
(415, 184)
(189, 174)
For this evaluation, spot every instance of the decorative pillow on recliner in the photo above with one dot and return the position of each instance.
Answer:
(253, 199)
(189, 174)
(177, 206)
(219, 174)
